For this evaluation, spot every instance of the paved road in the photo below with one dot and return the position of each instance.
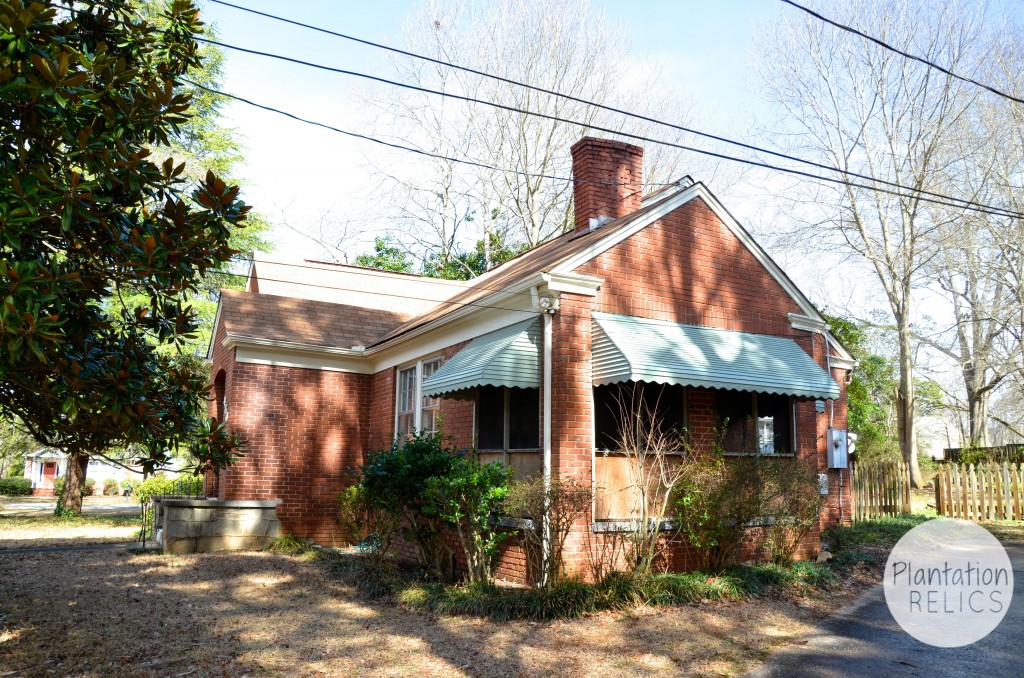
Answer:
(91, 506)
(864, 640)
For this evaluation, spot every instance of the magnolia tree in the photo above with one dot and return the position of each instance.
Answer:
(87, 218)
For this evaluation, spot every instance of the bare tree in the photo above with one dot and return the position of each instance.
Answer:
(867, 110)
(562, 45)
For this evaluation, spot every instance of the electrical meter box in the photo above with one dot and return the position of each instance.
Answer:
(836, 446)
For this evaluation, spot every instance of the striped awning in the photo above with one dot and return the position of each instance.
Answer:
(627, 348)
(506, 357)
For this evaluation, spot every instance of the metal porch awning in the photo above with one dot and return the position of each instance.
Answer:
(627, 348)
(506, 357)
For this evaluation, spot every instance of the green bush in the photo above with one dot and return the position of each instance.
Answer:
(466, 497)
(58, 486)
(90, 487)
(111, 488)
(394, 479)
(792, 503)
(715, 500)
(160, 484)
(17, 487)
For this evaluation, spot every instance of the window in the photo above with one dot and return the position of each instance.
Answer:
(410, 418)
(759, 423)
(663, 403)
(508, 418)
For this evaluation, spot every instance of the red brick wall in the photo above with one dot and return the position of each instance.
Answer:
(303, 429)
(688, 267)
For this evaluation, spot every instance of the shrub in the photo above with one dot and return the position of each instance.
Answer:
(111, 488)
(714, 502)
(395, 478)
(367, 524)
(567, 501)
(159, 484)
(90, 487)
(792, 502)
(466, 497)
(17, 487)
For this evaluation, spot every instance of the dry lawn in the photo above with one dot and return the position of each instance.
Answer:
(20, 532)
(99, 613)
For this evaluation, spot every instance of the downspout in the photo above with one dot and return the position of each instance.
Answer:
(547, 442)
(831, 413)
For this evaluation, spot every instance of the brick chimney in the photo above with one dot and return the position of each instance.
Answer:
(607, 176)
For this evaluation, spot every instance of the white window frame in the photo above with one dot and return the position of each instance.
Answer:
(417, 399)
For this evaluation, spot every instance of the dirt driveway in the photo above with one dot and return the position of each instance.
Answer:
(99, 613)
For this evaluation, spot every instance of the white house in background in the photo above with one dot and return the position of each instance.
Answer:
(44, 466)
(935, 434)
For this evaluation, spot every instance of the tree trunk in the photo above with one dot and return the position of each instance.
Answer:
(74, 483)
(905, 404)
(978, 417)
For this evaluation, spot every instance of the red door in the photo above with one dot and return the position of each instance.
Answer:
(49, 473)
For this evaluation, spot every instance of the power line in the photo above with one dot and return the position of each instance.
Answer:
(568, 97)
(902, 53)
(944, 200)
(400, 147)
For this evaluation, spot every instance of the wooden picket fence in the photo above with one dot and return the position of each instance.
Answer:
(880, 490)
(982, 492)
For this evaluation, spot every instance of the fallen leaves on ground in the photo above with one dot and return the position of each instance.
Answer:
(101, 613)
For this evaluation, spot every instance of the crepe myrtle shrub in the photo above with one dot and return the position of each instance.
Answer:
(394, 479)
(791, 503)
(715, 501)
(468, 497)
(88, 218)
(566, 500)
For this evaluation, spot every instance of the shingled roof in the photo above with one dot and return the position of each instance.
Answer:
(304, 321)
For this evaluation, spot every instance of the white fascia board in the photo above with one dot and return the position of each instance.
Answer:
(429, 343)
(668, 204)
(303, 359)
(213, 335)
(572, 283)
(235, 340)
(844, 359)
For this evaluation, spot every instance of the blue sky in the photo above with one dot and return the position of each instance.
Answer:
(300, 175)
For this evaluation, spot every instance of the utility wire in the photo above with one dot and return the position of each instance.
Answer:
(885, 45)
(568, 97)
(944, 200)
(410, 149)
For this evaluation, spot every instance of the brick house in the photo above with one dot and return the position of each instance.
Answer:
(317, 364)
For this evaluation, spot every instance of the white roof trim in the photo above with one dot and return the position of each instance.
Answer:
(803, 322)
(216, 324)
(233, 340)
(572, 283)
(810, 313)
